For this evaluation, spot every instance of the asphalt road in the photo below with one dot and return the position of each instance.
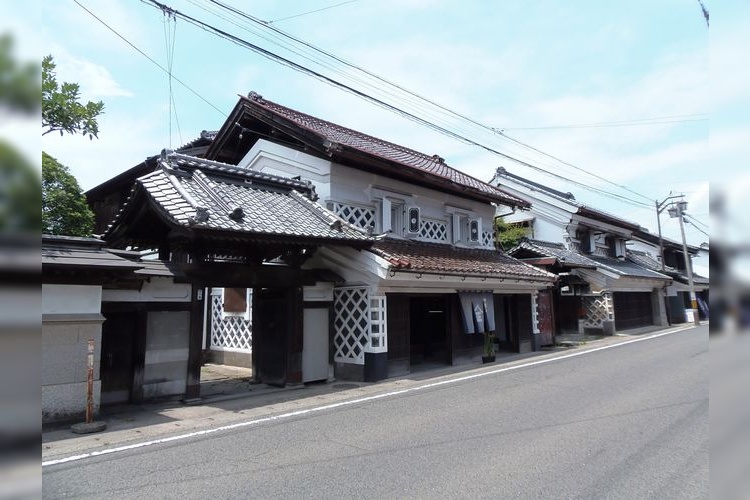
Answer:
(624, 422)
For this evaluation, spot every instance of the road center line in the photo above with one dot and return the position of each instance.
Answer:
(247, 423)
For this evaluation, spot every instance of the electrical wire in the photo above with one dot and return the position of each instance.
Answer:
(380, 102)
(577, 168)
(460, 116)
(696, 221)
(312, 11)
(697, 228)
(186, 86)
(625, 123)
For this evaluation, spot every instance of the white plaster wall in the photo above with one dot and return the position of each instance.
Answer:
(550, 220)
(275, 159)
(334, 182)
(70, 299)
(156, 289)
(359, 187)
(321, 292)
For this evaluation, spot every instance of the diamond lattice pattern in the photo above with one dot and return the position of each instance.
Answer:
(433, 230)
(378, 325)
(233, 332)
(363, 217)
(487, 239)
(351, 308)
(598, 310)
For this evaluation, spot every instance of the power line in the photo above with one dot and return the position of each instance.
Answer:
(264, 24)
(492, 130)
(697, 228)
(195, 93)
(705, 11)
(379, 102)
(577, 168)
(696, 221)
(312, 11)
(625, 123)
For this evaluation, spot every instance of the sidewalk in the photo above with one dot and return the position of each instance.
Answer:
(231, 398)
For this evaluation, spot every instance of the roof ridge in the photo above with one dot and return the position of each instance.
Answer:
(245, 173)
(325, 215)
(434, 160)
(255, 97)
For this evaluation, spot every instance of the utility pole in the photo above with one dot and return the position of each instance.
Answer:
(660, 207)
(677, 210)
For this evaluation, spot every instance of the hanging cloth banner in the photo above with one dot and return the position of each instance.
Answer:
(477, 312)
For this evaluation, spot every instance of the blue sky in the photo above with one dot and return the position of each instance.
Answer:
(517, 66)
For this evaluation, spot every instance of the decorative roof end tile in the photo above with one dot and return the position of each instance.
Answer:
(201, 215)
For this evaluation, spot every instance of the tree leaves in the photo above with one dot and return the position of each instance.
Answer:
(64, 208)
(507, 234)
(61, 109)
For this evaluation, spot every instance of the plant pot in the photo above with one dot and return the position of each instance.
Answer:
(488, 359)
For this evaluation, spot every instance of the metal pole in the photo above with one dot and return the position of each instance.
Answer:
(689, 267)
(90, 384)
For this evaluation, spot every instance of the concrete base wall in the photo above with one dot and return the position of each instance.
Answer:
(64, 364)
(67, 402)
(347, 371)
(243, 359)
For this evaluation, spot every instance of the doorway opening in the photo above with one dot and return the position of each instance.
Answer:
(429, 340)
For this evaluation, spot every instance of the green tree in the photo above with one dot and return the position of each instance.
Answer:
(508, 235)
(19, 84)
(61, 110)
(64, 207)
(20, 192)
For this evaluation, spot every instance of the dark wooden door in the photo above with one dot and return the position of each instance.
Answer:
(632, 310)
(545, 317)
(271, 331)
(429, 329)
(568, 309)
(117, 357)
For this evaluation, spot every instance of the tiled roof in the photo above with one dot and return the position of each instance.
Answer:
(568, 198)
(575, 259)
(645, 260)
(205, 195)
(409, 158)
(448, 259)
(205, 138)
(626, 268)
(557, 250)
(73, 252)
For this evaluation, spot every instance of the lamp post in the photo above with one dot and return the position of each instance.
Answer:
(660, 207)
(676, 210)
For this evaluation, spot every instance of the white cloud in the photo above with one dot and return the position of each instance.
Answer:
(94, 79)
(124, 141)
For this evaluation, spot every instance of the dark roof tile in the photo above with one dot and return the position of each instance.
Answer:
(271, 207)
(448, 259)
(367, 144)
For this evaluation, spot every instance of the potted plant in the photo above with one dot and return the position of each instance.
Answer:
(488, 355)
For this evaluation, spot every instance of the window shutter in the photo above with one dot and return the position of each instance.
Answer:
(235, 300)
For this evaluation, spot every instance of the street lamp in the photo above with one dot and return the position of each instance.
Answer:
(660, 206)
(677, 211)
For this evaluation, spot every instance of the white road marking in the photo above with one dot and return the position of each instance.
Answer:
(247, 423)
